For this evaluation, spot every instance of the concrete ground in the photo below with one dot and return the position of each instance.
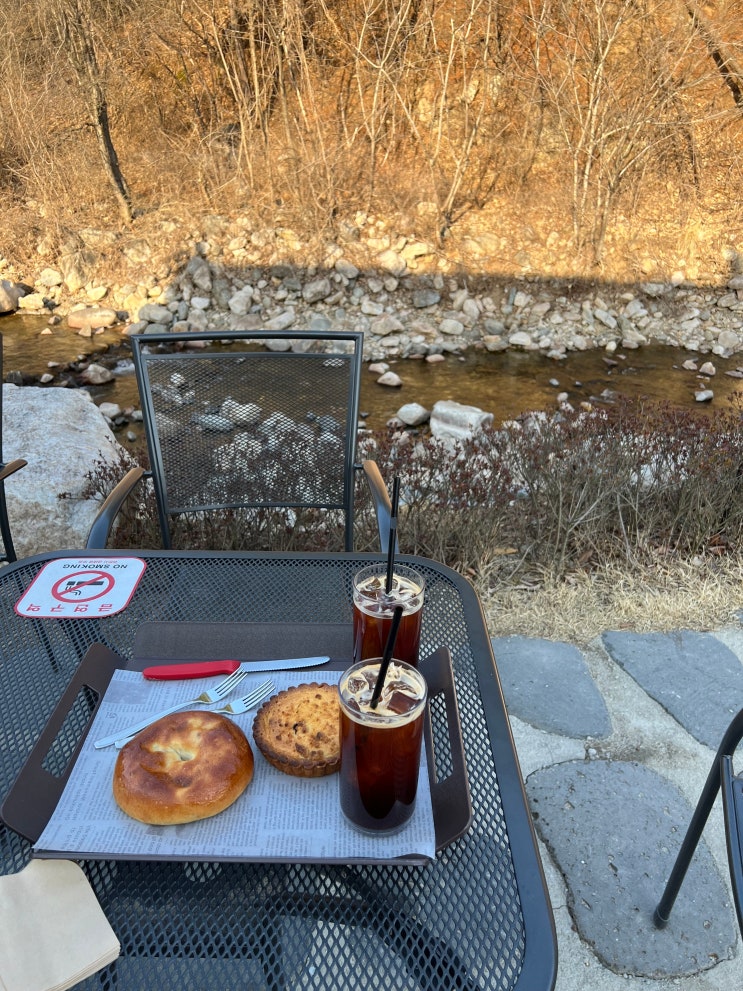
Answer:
(615, 744)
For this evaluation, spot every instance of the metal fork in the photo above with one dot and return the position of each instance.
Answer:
(216, 694)
(247, 702)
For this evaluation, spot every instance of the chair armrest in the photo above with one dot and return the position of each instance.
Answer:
(104, 520)
(382, 503)
(11, 468)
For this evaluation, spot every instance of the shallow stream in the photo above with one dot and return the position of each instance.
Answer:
(505, 384)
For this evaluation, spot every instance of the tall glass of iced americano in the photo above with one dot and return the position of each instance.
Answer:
(374, 607)
(380, 747)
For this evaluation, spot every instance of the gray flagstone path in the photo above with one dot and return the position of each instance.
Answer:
(615, 742)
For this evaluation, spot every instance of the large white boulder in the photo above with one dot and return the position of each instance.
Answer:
(9, 296)
(61, 434)
(455, 422)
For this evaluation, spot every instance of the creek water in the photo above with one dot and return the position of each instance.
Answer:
(505, 384)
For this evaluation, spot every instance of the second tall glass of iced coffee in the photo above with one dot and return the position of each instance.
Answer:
(374, 607)
(380, 746)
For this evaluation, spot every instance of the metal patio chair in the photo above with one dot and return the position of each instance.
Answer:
(6, 470)
(721, 777)
(231, 425)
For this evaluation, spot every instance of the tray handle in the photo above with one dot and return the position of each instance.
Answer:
(34, 795)
(450, 796)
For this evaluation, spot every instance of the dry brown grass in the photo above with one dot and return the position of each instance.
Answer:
(703, 594)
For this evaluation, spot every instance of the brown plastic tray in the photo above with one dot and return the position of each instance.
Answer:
(33, 797)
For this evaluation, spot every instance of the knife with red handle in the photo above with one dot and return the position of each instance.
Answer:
(205, 669)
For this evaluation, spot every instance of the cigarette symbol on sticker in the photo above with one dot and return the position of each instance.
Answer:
(75, 586)
(82, 587)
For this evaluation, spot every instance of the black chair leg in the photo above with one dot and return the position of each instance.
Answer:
(730, 741)
(9, 554)
(732, 804)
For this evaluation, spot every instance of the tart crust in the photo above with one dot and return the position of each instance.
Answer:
(298, 730)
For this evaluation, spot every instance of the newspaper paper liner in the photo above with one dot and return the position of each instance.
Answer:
(33, 798)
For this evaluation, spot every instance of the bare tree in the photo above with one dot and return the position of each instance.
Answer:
(425, 87)
(80, 27)
(611, 79)
(729, 67)
(319, 108)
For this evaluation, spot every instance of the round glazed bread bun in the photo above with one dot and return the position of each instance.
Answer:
(183, 767)
(298, 730)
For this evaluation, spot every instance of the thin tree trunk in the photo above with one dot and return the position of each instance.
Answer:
(99, 113)
(730, 69)
(81, 52)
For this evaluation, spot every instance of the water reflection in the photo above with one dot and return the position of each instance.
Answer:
(505, 384)
(512, 383)
(27, 349)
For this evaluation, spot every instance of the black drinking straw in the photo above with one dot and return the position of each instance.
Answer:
(386, 657)
(393, 534)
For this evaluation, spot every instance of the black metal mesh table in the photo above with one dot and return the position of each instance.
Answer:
(476, 918)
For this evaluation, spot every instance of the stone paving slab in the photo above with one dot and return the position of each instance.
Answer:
(694, 676)
(612, 828)
(548, 684)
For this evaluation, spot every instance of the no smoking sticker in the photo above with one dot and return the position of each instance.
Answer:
(81, 587)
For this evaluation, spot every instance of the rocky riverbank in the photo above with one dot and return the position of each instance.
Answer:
(409, 298)
(410, 301)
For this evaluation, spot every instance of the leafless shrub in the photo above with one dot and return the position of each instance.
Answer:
(136, 524)
(321, 104)
(627, 485)
(323, 107)
(454, 503)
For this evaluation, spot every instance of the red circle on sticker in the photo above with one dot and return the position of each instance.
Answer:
(82, 586)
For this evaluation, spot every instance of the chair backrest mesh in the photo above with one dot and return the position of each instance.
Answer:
(237, 426)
